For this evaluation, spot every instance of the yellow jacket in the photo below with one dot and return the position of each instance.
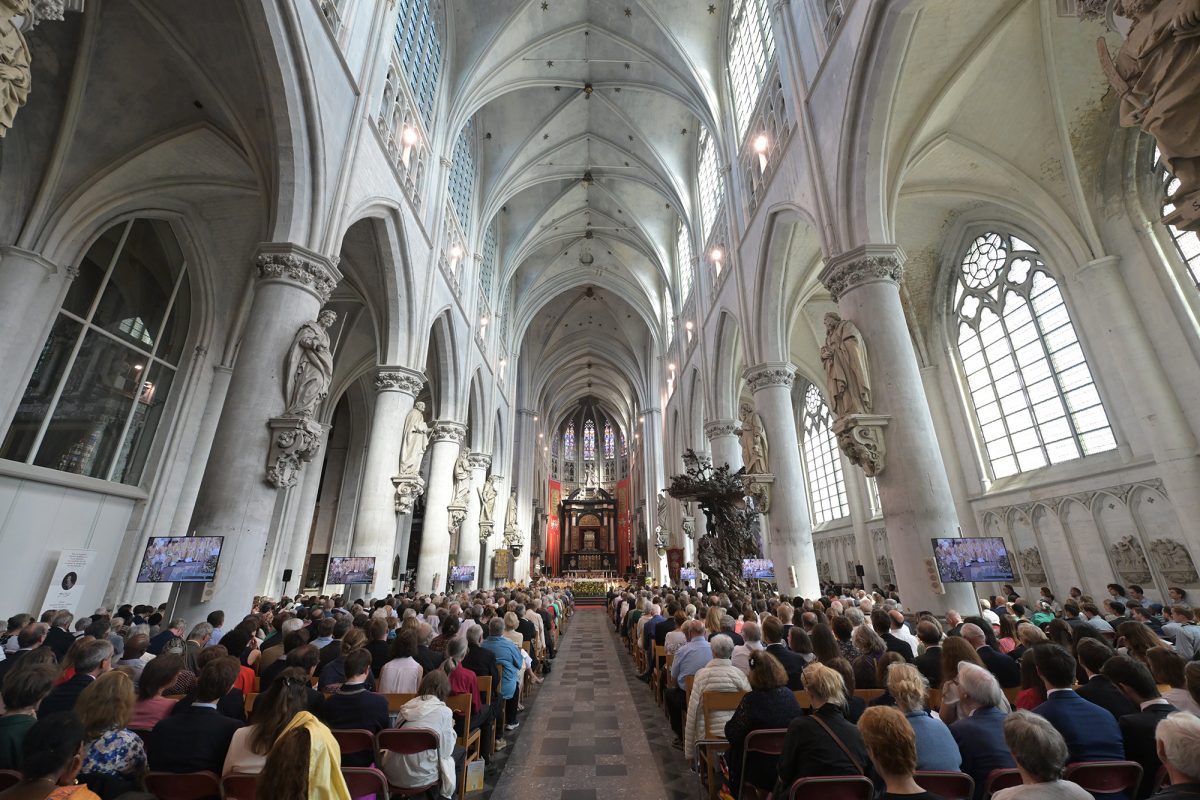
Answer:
(325, 781)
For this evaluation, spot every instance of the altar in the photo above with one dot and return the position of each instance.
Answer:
(588, 527)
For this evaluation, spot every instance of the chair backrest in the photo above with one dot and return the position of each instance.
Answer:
(184, 786)
(239, 786)
(767, 741)
(868, 694)
(933, 699)
(461, 704)
(714, 703)
(485, 689)
(687, 683)
(406, 740)
(395, 701)
(525, 647)
(840, 787)
(366, 782)
(802, 698)
(1105, 777)
(250, 698)
(355, 740)
(9, 777)
(1011, 695)
(947, 785)
(999, 779)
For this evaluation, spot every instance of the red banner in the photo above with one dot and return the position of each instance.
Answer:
(674, 562)
(554, 529)
(624, 526)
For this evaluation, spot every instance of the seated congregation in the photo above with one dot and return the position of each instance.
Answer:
(302, 699)
(846, 696)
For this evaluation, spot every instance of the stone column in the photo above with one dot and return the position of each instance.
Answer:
(468, 538)
(526, 448)
(433, 560)
(787, 520)
(913, 487)
(294, 552)
(396, 390)
(235, 499)
(723, 439)
(31, 290)
(653, 468)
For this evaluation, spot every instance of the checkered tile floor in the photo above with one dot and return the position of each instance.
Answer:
(594, 731)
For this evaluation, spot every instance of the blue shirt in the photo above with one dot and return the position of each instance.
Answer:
(507, 654)
(648, 630)
(936, 748)
(690, 658)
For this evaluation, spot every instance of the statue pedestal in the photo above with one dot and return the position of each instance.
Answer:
(294, 441)
(758, 488)
(861, 438)
(408, 489)
(485, 532)
(454, 521)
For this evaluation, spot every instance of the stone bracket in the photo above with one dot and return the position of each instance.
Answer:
(758, 488)
(861, 438)
(294, 441)
(485, 531)
(455, 521)
(408, 489)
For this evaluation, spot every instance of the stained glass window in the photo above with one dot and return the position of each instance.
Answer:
(708, 180)
(826, 484)
(1031, 389)
(589, 441)
(610, 442)
(683, 250)
(487, 269)
(1186, 242)
(462, 177)
(420, 52)
(751, 48)
(569, 441)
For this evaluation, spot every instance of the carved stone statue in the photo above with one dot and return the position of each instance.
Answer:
(1173, 560)
(847, 378)
(1157, 75)
(663, 500)
(754, 442)
(310, 367)
(414, 440)
(1130, 560)
(510, 520)
(462, 478)
(590, 479)
(487, 501)
(15, 74)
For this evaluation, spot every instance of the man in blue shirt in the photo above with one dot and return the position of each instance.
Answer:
(688, 661)
(648, 640)
(510, 660)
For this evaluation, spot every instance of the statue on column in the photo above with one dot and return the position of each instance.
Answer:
(15, 71)
(414, 440)
(663, 500)
(1157, 75)
(847, 378)
(590, 479)
(310, 367)
(487, 501)
(754, 442)
(462, 479)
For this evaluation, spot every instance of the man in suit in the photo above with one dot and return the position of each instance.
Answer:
(1176, 738)
(198, 737)
(955, 621)
(352, 706)
(173, 631)
(1004, 668)
(979, 731)
(529, 633)
(881, 622)
(1091, 654)
(197, 640)
(31, 637)
(930, 662)
(1138, 730)
(666, 626)
(92, 660)
(648, 641)
(793, 663)
(59, 638)
(548, 626)
(329, 652)
(1090, 731)
(426, 657)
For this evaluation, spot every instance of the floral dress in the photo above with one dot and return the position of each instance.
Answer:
(118, 752)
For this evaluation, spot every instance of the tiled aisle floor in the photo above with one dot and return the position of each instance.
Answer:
(586, 736)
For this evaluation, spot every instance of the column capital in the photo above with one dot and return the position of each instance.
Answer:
(399, 379)
(526, 412)
(715, 428)
(647, 411)
(769, 373)
(479, 460)
(1101, 264)
(12, 252)
(869, 263)
(448, 431)
(284, 262)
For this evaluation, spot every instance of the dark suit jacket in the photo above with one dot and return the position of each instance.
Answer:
(735, 637)
(662, 629)
(808, 750)
(980, 739)
(1138, 733)
(59, 641)
(10, 662)
(157, 643)
(897, 645)
(792, 663)
(428, 659)
(930, 665)
(548, 627)
(1104, 693)
(328, 653)
(1007, 671)
(232, 705)
(63, 697)
(356, 708)
(192, 741)
(1090, 731)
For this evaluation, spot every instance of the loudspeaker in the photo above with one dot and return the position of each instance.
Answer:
(859, 571)
(287, 575)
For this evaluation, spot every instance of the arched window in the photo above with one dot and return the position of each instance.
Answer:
(420, 52)
(1186, 242)
(826, 484)
(751, 48)
(610, 442)
(462, 177)
(487, 269)
(1031, 389)
(708, 181)
(589, 441)
(569, 442)
(100, 387)
(683, 251)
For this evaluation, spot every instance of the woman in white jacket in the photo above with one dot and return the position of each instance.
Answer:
(719, 675)
(428, 710)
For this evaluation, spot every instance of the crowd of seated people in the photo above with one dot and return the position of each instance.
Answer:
(96, 708)
(1014, 693)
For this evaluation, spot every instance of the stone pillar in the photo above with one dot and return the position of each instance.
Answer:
(235, 499)
(294, 552)
(396, 390)
(913, 487)
(433, 561)
(787, 520)
(723, 439)
(653, 468)
(31, 290)
(526, 446)
(468, 539)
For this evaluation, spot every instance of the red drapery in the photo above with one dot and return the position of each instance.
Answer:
(554, 530)
(624, 527)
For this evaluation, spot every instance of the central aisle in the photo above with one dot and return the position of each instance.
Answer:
(583, 738)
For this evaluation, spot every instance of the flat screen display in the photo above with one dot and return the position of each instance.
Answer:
(464, 574)
(351, 570)
(180, 559)
(972, 559)
(687, 574)
(758, 569)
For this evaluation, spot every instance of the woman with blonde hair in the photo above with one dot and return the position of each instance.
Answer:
(510, 629)
(105, 709)
(936, 748)
(823, 743)
(712, 621)
(955, 651)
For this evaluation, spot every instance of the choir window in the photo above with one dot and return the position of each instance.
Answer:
(751, 48)
(462, 177)
(421, 53)
(683, 249)
(708, 182)
(826, 484)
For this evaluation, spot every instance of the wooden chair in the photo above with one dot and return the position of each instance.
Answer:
(947, 785)
(239, 786)
(356, 740)
(500, 688)
(840, 787)
(366, 782)
(485, 696)
(768, 741)
(1011, 696)
(803, 699)
(249, 704)
(183, 786)
(395, 701)
(714, 742)
(1105, 777)
(656, 681)
(407, 741)
(469, 740)
(933, 699)
(868, 694)
(9, 778)
(999, 779)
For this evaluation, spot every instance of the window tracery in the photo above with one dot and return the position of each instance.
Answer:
(822, 462)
